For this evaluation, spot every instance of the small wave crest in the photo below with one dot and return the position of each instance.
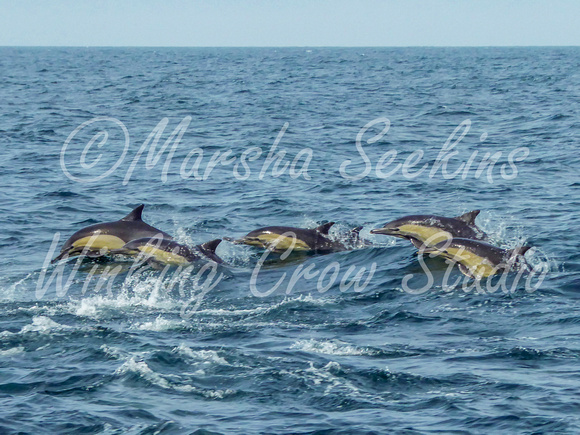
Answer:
(143, 371)
(332, 347)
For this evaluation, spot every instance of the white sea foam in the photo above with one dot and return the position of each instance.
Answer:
(307, 299)
(47, 310)
(501, 230)
(239, 255)
(43, 325)
(148, 293)
(144, 371)
(9, 293)
(505, 232)
(40, 324)
(331, 347)
(113, 351)
(181, 236)
(11, 352)
(334, 384)
(96, 306)
(204, 356)
(161, 324)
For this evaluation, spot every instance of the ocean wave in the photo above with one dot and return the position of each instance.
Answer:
(204, 356)
(40, 325)
(143, 371)
(333, 347)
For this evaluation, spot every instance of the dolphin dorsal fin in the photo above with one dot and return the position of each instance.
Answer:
(520, 250)
(469, 217)
(356, 230)
(211, 246)
(135, 215)
(325, 228)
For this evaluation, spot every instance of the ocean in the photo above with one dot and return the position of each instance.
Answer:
(217, 142)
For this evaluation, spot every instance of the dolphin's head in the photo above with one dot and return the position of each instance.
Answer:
(94, 241)
(392, 228)
(258, 242)
(262, 241)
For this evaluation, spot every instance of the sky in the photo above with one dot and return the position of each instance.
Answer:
(277, 23)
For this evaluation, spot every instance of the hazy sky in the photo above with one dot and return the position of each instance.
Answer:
(289, 23)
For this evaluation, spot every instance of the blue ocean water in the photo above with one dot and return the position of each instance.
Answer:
(150, 353)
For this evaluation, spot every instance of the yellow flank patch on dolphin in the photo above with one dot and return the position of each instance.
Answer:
(478, 266)
(99, 242)
(277, 242)
(423, 233)
(164, 256)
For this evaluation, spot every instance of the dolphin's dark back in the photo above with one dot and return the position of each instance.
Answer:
(126, 229)
(461, 227)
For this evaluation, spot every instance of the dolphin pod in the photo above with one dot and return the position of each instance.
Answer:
(457, 239)
(131, 236)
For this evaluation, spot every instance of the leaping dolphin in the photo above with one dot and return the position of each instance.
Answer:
(279, 239)
(99, 239)
(164, 251)
(433, 229)
(478, 259)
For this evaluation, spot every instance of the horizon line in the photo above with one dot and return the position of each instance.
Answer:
(288, 46)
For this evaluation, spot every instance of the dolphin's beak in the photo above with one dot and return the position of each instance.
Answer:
(387, 231)
(60, 256)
